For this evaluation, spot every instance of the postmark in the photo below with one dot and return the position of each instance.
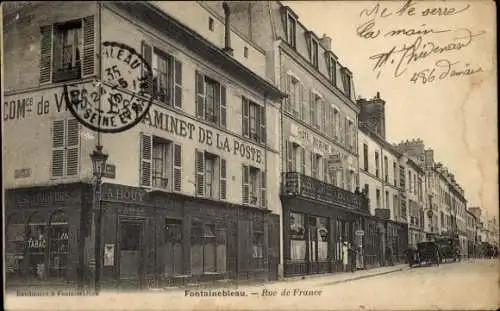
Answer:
(121, 99)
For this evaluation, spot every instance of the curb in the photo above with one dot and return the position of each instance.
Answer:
(361, 277)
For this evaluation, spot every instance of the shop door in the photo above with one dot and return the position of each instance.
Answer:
(131, 254)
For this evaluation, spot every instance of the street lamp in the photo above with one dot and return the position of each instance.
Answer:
(99, 159)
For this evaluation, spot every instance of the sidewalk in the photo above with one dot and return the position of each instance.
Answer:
(300, 281)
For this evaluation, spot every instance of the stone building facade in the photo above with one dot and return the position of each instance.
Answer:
(190, 192)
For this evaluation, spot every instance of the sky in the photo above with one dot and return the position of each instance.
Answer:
(454, 113)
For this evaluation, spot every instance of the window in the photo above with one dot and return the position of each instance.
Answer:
(402, 175)
(378, 198)
(336, 123)
(291, 33)
(295, 99)
(347, 83)
(210, 100)
(211, 175)
(387, 202)
(350, 138)
(161, 163)
(295, 158)
(332, 70)
(386, 169)
(254, 186)
(377, 165)
(365, 157)
(67, 50)
(297, 237)
(395, 175)
(315, 159)
(65, 148)
(211, 24)
(314, 109)
(257, 244)
(253, 121)
(409, 182)
(314, 52)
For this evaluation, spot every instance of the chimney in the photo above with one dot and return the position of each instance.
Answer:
(378, 95)
(326, 41)
(227, 15)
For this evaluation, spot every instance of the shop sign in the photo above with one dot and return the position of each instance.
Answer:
(359, 233)
(110, 171)
(123, 193)
(39, 243)
(34, 198)
(334, 162)
(109, 255)
(184, 127)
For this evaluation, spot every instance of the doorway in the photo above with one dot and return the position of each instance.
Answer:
(131, 253)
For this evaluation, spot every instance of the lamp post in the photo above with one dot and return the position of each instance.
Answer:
(99, 159)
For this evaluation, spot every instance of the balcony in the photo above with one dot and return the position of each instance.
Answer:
(309, 187)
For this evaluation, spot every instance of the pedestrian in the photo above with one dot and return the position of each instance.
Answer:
(345, 255)
(352, 256)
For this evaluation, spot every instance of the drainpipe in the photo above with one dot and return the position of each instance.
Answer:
(227, 15)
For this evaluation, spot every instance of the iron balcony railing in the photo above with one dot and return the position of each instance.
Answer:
(294, 183)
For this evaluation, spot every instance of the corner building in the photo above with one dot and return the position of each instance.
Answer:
(189, 193)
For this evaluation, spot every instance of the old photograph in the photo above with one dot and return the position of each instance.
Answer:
(250, 155)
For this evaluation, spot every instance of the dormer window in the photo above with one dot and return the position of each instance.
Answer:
(346, 81)
(332, 70)
(289, 19)
(291, 30)
(314, 52)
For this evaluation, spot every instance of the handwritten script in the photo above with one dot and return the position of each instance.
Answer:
(437, 44)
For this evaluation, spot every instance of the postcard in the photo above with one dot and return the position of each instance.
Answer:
(250, 155)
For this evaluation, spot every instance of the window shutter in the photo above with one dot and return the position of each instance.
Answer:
(223, 106)
(262, 124)
(289, 159)
(46, 54)
(313, 167)
(222, 179)
(245, 111)
(346, 132)
(323, 116)
(177, 83)
(88, 62)
(311, 108)
(303, 160)
(200, 95)
(57, 148)
(200, 172)
(72, 147)
(245, 187)
(325, 169)
(288, 100)
(177, 167)
(146, 159)
(302, 104)
(147, 53)
(263, 193)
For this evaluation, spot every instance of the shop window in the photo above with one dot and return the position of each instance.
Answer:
(15, 246)
(36, 237)
(58, 245)
(297, 237)
(171, 257)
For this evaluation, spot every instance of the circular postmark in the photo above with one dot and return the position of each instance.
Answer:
(121, 99)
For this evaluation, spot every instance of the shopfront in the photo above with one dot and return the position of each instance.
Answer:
(154, 239)
(43, 230)
(315, 231)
